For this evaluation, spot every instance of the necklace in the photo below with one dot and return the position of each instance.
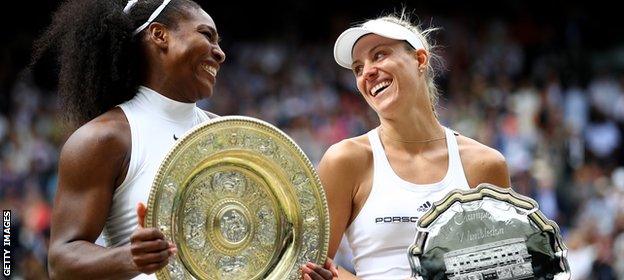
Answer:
(411, 141)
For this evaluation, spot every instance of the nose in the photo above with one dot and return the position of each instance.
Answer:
(218, 54)
(370, 72)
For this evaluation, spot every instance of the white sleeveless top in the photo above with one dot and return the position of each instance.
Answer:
(386, 225)
(155, 123)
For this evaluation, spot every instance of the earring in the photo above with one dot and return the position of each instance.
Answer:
(421, 70)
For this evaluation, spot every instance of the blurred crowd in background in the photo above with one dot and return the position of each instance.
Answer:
(534, 91)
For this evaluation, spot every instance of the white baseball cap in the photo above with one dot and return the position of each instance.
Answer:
(344, 44)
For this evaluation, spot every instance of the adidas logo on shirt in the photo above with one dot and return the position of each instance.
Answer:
(424, 207)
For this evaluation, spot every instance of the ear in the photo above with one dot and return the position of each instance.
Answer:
(158, 34)
(422, 57)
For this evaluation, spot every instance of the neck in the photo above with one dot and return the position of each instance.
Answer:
(415, 129)
(168, 90)
(157, 78)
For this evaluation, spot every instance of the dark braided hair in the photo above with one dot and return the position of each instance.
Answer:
(100, 60)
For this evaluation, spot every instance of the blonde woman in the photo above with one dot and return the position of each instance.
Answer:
(380, 183)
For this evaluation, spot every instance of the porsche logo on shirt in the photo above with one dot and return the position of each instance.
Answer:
(396, 219)
(404, 219)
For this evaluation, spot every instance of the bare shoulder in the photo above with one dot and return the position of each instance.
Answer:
(110, 130)
(352, 153)
(482, 164)
(345, 164)
(102, 142)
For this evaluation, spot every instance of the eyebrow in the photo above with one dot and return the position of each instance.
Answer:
(371, 51)
(211, 30)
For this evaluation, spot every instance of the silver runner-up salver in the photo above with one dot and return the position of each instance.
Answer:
(487, 233)
(240, 200)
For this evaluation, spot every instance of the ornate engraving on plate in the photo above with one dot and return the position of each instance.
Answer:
(229, 183)
(240, 201)
(234, 226)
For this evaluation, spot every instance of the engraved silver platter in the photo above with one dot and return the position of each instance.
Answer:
(487, 233)
(240, 200)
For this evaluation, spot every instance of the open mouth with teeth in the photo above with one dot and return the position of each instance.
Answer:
(378, 88)
(210, 69)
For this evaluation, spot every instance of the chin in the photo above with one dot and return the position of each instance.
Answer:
(204, 95)
(386, 109)
(205, 92)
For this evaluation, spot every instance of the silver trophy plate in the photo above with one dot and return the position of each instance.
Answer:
(487, 233)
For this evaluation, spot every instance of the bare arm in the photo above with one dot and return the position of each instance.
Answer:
(340, 171)
(90, 167)
(337, 176)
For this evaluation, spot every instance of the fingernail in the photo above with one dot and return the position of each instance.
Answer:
(311, 265)
(306, 269)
